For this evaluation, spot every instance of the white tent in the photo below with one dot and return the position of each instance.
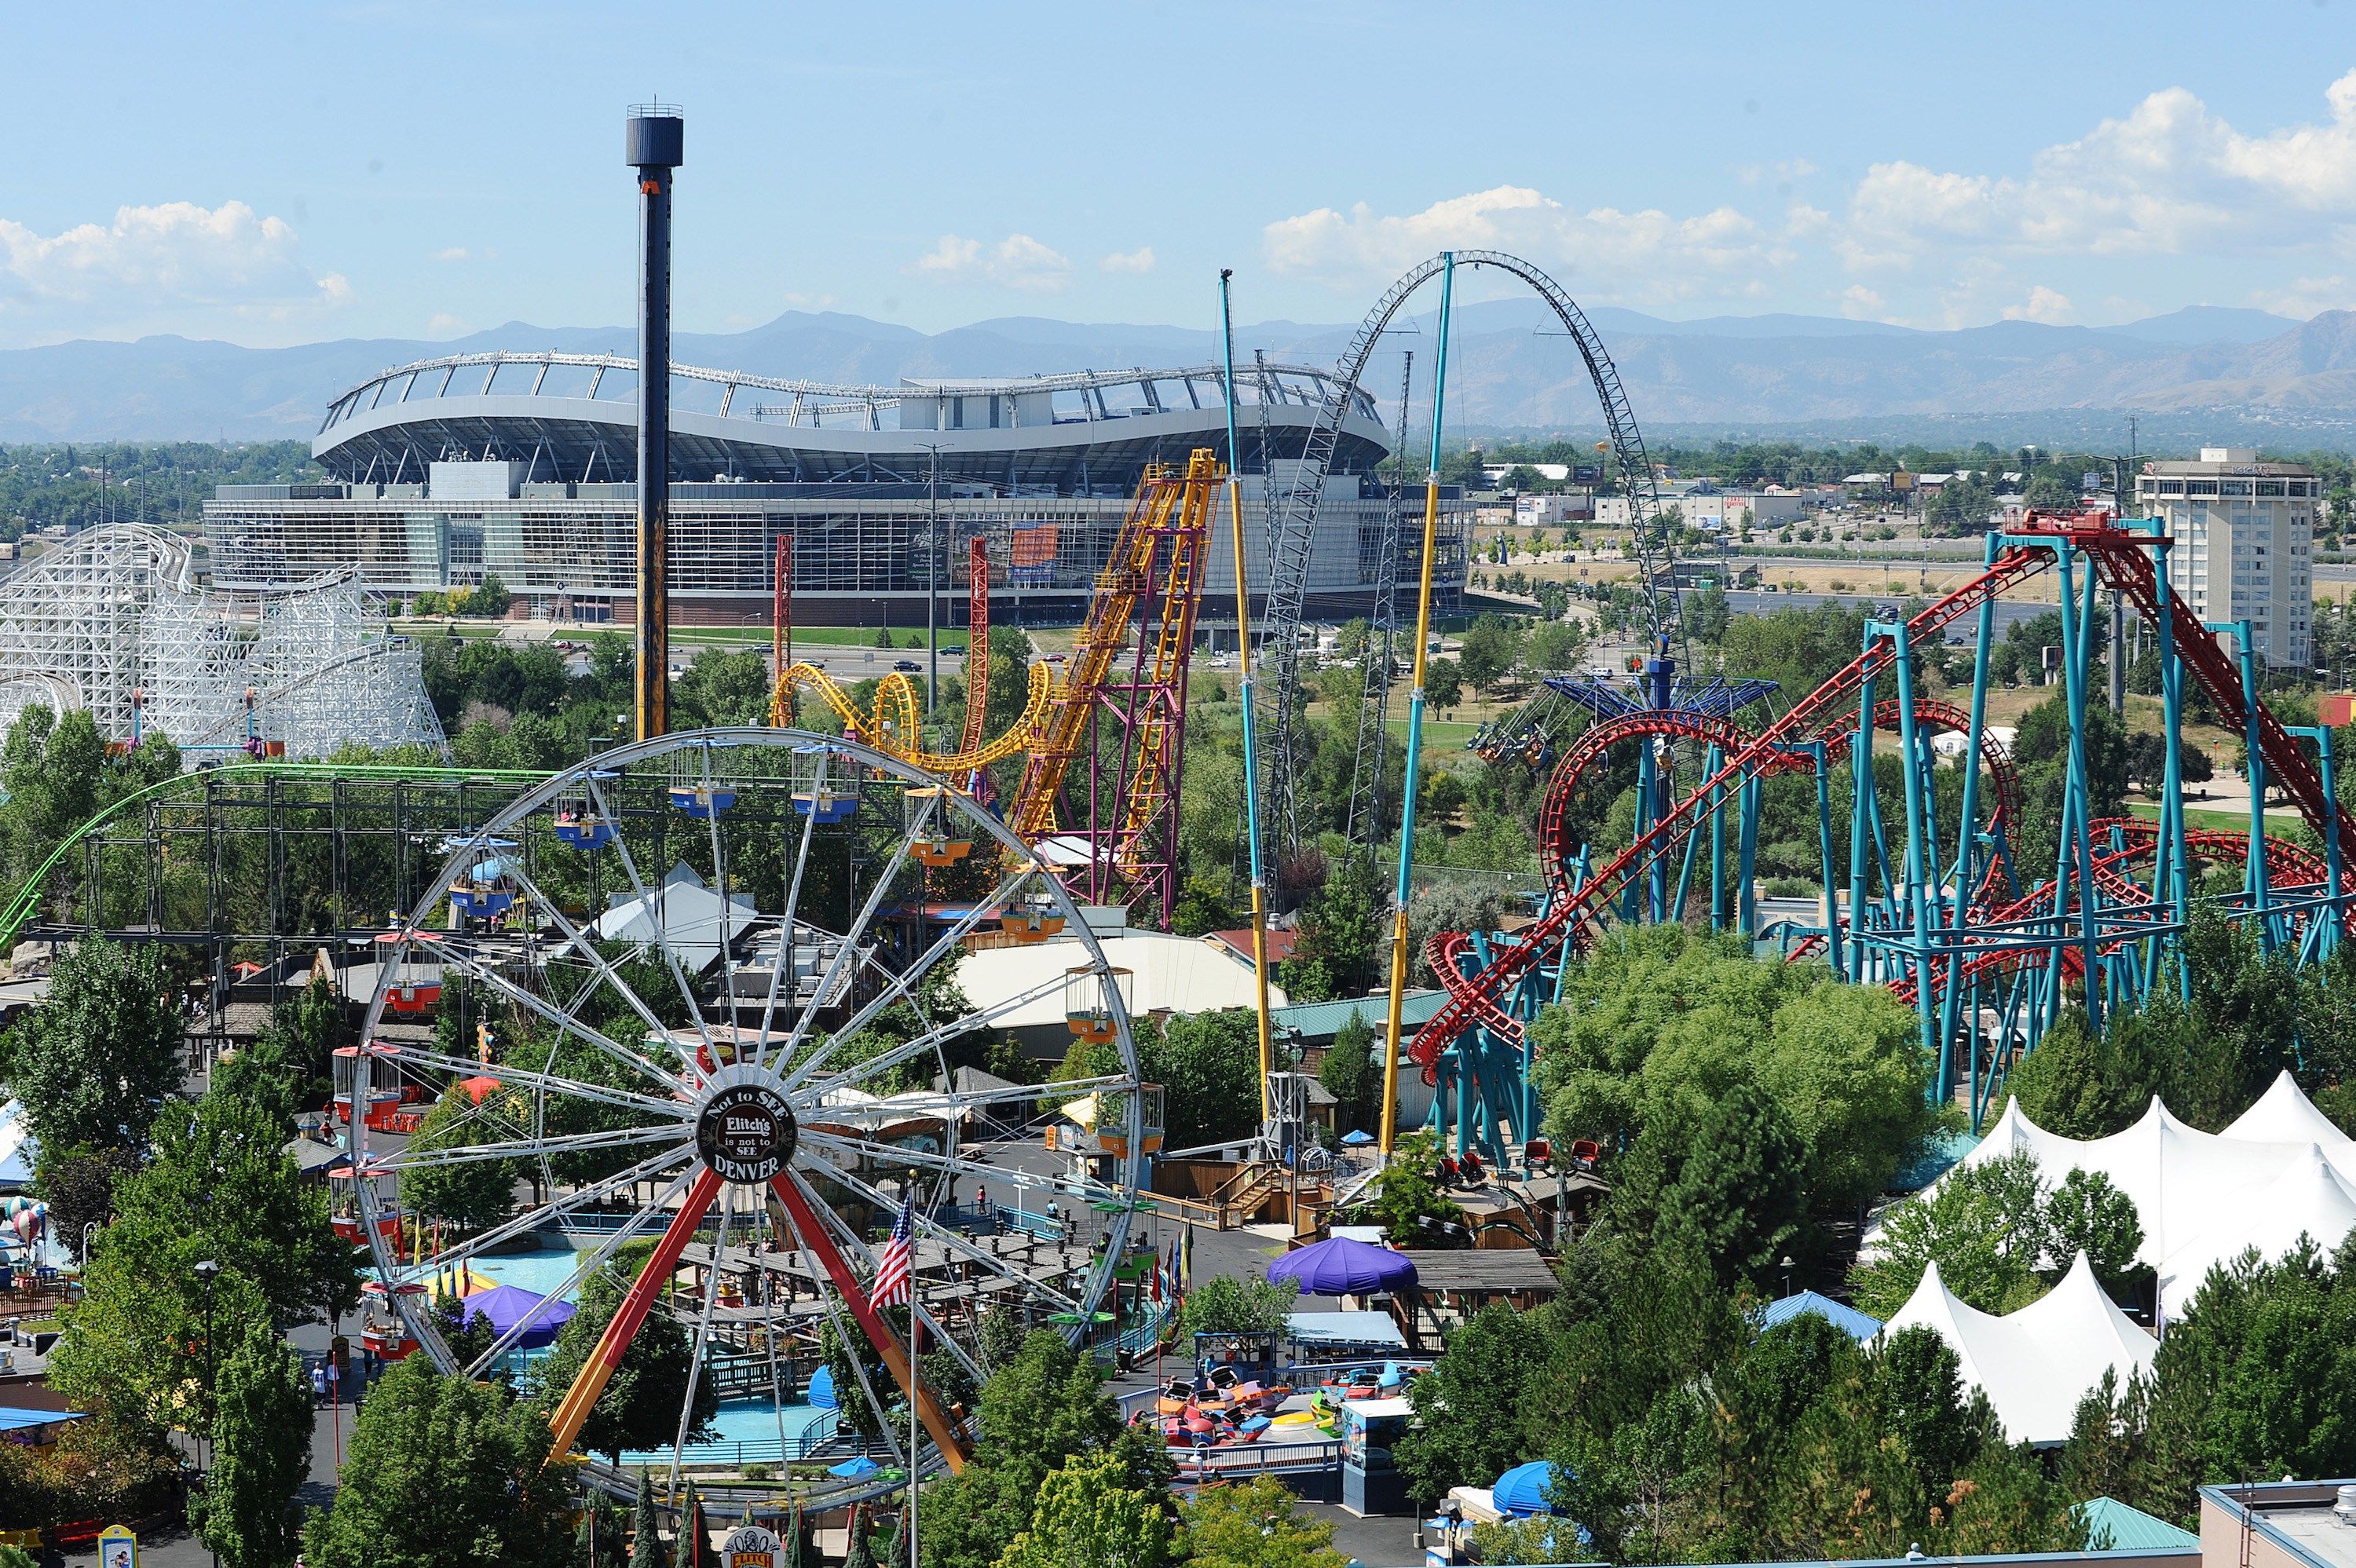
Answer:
(2309, 1198)
(20, 1150)
(2284, 1115)
(683, 910)
(2035, 1364)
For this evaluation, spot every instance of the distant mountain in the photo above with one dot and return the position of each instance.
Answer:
(2243, 371)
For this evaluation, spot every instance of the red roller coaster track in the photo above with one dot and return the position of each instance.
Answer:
(2118, 554)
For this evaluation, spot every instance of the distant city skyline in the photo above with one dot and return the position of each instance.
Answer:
(428, 169)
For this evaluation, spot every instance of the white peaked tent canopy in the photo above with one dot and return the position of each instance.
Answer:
(2035, 1364)
(2187, 1185)
(2309, 1198)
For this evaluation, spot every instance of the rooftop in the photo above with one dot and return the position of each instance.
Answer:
(2286, 1520)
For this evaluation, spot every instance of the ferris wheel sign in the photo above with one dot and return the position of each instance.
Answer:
(750, 1546)
(746, 1133)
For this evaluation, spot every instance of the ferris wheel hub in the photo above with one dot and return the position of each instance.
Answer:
(745, 1130)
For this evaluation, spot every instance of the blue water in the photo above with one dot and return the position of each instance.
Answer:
(541, 1269)
(751, 1422)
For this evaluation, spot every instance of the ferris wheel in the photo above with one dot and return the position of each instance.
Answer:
(702, 991)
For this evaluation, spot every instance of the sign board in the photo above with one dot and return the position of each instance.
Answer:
(750, 1546)
(1901, 480)
(1586, 474)
(2335, 709)
(2090, 480)
(117, 1547)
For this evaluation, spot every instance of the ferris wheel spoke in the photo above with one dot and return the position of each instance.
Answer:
(843, 954)
(856, 1148)
(533, 1220)
(591, 1261)
(860, 1072)
(567, 1019)
(951, 1238)
(1112, 1082)
(695, 1368)
(525, 1078)
(794, 896)
(578, 941)
(415, 1158)
(654, 908)
(902, 987)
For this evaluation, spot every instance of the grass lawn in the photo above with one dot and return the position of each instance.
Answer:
(2216, 821)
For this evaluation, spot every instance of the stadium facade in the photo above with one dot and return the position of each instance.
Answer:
(520, 464)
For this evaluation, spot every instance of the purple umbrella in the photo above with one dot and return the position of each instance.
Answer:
(1344, 1267)
(505, 1305)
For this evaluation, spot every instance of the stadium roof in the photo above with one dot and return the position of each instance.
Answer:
(573, 417)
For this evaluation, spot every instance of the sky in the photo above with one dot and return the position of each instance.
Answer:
(270, 175)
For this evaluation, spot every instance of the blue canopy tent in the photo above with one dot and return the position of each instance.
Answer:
(1522, 1490)
(1858, 1326)
(505, 1305)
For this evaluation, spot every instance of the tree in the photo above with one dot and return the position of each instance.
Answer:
(1492, 646)
(1088, 1516)
(1336, 952)
(1984, 1225)
(262, 1454)
(94, 1060)
(1724, 1177)
(1208, 1067)
(639, 1406)
(1257, 1524)
(1348, 1071)
(1225, 1305)
(1443, 683)
(1040, 1408)
(1480, 1405)
(646, 1526)
(475, 1455)
(2087, 1214)
(1405, 1199)
(489, 598)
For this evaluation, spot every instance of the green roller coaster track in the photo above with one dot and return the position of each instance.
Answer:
(26, 899)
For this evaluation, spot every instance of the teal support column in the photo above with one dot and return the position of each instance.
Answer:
(1860, 769)
(2075, 855)
(2256, 882)
(1746, 902)
(1712, 760)
(1825, 848)
(1920, 825)
(2326, 919)
(2175, 886)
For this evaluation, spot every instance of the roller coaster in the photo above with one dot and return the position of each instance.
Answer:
(1987, 950)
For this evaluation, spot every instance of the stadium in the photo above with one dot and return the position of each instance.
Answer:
(521, 465)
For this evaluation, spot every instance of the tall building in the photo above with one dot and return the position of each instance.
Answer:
(518, 465)
(2243, 530)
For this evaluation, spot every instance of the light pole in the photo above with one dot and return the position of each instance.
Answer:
(207, 1272)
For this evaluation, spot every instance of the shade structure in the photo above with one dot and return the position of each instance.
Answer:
(1341, 1266)
(2037, 1363)
(820, 1389)
(1356, 1136)
(1522, 1490)
(852, 1470)
(505, 1305)
(1858, 1326)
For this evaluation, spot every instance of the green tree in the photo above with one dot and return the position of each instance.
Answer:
(262, 1454)
(467, 1448)
(1225, 1305)
(1984, 1225)
(95, 1059)
(1337, 951)
(1405, 1199)
(489, 598)
(1724, 1177)
(1040, 1408)
(639, 1406)
(2086, 1214)
(1443, 685)
(1088, 1516)
(1492, 647)
(1257, 1524)
(646, 1527)
(1480, 1408)
(1208, 1066)
(1348, 1071)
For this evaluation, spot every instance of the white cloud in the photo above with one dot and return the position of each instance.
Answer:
(1138, 261)
(167, 256)
(1017, 261)
(444, 325)
(1861, 304)
(2306, 297)
(1648, 257)
(2043, 304)
(2168, 176)
(452, 253)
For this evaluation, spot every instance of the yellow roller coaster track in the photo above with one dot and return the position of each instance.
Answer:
(894, 726)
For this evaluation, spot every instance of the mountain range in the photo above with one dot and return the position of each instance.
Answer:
(2204, 372)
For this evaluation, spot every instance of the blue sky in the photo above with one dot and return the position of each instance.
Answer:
(427, 168)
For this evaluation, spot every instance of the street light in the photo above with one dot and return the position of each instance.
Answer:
(207, 1272)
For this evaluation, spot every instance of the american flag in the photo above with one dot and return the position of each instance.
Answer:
(892, 1272)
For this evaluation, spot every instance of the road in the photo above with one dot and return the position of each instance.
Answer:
(2009, 611)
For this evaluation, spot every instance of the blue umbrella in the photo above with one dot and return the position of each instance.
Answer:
(1522, 1490)
(821, 1391)
(852, 1470)
(1355, 1138)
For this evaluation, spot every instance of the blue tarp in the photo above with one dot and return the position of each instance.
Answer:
(1522, 1490)
(1857, 1326)
(1373, 1329)
(16, 1418)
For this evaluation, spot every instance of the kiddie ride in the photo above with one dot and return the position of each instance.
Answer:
(1987, 951)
